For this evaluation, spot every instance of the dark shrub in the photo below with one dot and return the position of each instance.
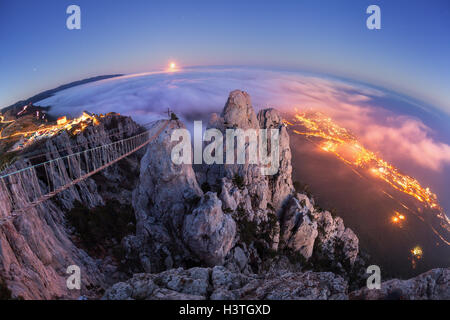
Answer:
(302, 188)
(102, 226)
(238, 181)
(205, 187)
(333, 212)
(247, 230)
(227, 210)
(193, 201)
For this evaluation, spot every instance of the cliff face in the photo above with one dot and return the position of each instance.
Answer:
(250, 236)
(37, 247)
(172, 212)
(231, 214)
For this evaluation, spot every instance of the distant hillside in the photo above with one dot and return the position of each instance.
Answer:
(48, 93)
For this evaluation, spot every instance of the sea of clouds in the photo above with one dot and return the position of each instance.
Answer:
(193, 94)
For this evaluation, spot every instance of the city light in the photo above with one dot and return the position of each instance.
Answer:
(417, 252)
(346, 147)
(74, 126)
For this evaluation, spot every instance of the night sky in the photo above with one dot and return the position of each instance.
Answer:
(410, 54)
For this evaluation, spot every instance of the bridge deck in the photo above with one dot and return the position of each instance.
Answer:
(60, 174)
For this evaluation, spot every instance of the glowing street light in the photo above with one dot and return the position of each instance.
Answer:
(417, 252)
(398, 218)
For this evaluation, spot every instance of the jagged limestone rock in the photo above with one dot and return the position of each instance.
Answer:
(297, 286)
(208, 232)
(431, 285)
(302, 226)
(218, 283)
(164, 195)
(335, 239)
(281, 183)
(298, 228)
(176, 221)
(238, 111)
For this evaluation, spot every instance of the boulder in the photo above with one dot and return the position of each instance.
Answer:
(208, 232)
(431, 285)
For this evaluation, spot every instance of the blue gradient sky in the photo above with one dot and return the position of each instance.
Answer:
(411, 54)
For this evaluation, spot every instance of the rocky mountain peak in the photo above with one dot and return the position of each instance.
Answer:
(270, 118)
(226, 214)
(238, 111)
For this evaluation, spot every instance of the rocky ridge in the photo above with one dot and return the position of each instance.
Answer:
(431, 285)
(37, 247)
(218, 283)
(231, 214)
(253, 236)
(227, 214)
(202, 231)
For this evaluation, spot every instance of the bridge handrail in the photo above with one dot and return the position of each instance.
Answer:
(32, 155)
(70, 155)
(64, 176)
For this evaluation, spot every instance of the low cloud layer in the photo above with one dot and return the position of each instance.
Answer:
(194, 94)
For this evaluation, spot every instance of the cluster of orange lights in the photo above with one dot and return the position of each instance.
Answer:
(345, 146)
(416, 255)
(75, 126)
(398, 218)
(417, 252)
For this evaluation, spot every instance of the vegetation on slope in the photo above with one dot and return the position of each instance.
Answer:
(102, 227)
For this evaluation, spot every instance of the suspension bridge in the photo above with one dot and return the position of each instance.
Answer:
(26, 188)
